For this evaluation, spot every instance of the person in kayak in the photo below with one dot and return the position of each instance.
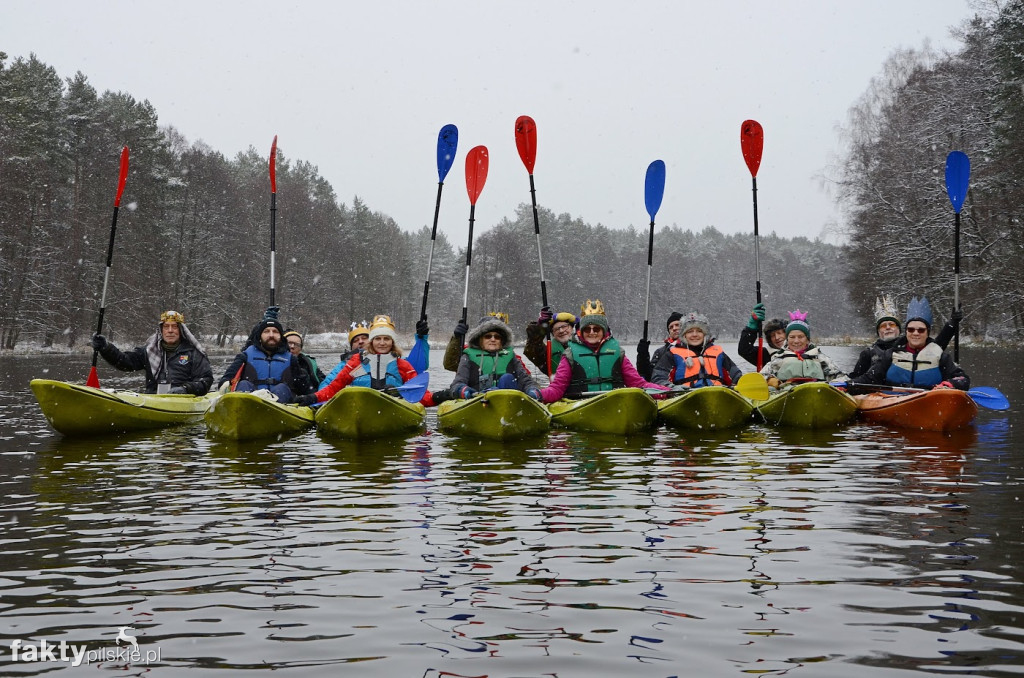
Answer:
(774, 331)
(174, 360)
(266, 363)
(379, 365)
(695, 359)
(888, 327)
(593, 361)
(358, 338)
(801, 360)
(916, 360)
(453, 351)
(562, 326)
(645, 362)
(488, 362)
(307, 362)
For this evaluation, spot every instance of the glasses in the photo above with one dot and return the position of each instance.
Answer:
(294, 344)
(916, 330)
(592, 329)
(492, 335)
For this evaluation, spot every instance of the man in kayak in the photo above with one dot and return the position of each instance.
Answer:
(916, 360)
(267, 364)
(174, 360)
(801, 360)
(488, 362)
(645, 362)
(562, 326)
(307, 362)
(888, 327)
(695, 359)
(774, 332)
(593, 361)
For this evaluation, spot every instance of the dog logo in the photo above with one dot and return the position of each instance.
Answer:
(122, 634)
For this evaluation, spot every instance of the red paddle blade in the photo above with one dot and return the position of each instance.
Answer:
(120, 186)
(273, 166)
(526, 141)
(94, 378)
(476, 172)
(752, 143)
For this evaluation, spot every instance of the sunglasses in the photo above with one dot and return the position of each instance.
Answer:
(916, 330)
(492, 335)
(592, 329)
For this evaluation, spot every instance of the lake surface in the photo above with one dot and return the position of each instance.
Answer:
(856, 552)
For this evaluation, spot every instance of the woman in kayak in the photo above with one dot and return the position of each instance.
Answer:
(562, 326)
(916, 360)
(380, 366)
(488, 362)
(774, 331)
(888, 328)
(695, 359)
(801, 360)
(593, 361)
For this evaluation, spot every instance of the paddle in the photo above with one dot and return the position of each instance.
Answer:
(447, 145)
(754, 386)
(752, 143)
(526, 144)
(476, 177)
(414, 389)
(958, 173)
(985, 396)
(654, 191)
(273, 214)
(94, 379)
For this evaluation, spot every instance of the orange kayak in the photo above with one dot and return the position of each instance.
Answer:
(944, 409)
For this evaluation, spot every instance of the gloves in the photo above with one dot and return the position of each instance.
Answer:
(461, 329)
(225, 387)
(757, 315)
(178, 390)
(545, 316)
(306, 400)
(944, 384)
(99, 342)
(643, 358)
(440, 396)
(466, 392)
(271, 313)
(422, 328)
(533, 393)
(957, 315)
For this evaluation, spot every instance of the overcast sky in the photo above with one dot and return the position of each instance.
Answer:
(361, 89)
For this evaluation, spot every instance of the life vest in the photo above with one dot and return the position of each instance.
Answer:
(377, 370)
(557, 349)
(264, 370)
(700, 370)
(491, 365)
(915, 369)
(803, 368)
(594, 370)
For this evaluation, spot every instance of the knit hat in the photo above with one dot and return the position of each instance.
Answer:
(672, 317)
(269, 320)
(593, 314)
(919, 309)
(382, 327)
(885, 310)
(292, 333)
(356, 330)
(772, 326)
(798, 321)
(694, 320)
(564, 317)
(489, 323)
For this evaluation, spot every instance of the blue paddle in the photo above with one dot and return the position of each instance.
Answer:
(447, 145)
(958, 174)
(985, 396)
(414, 389)
(654, 191)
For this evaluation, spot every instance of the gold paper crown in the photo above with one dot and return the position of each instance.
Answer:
(503, 317)
(382, 322)
(171, 317)
(592, 308)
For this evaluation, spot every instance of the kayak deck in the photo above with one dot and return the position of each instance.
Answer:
(707, 408)
(938, 410)
(77, 410)
(360, 413)
(501, 414)
(809, 405)
(621, 411)
(244, 416)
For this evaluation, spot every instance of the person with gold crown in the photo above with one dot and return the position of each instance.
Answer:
(488, 362)
(593, 361)
(800, 360)
(379, 365)
(174, 360)
(358, 338)
(562, 326)
(266, 364)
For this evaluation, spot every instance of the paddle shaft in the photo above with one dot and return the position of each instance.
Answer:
(956, 288)
(430, 257)
(93, 380)
(469, 262)
(757, 274)
(272, 165)
(650, 261)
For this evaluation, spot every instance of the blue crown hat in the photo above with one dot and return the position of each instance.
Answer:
(919, 309)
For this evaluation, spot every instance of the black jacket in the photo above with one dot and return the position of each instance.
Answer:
(185, 366)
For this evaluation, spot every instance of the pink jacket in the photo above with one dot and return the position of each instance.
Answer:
(563, 375)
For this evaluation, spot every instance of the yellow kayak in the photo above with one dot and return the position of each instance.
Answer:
(360, 413)
(707, 409)
(244, 416)
(621, 411)
(501, 414)
(814, 404)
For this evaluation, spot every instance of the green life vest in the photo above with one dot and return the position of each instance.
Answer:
(599, 370)
(793, 367)
(491, 365)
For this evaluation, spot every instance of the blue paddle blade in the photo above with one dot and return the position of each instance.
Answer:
(989, 397)
(447, 144)
(654, 187)
(958, 174)
(414, 389)
(419, 356)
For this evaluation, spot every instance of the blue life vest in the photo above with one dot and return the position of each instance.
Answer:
(920, 369)
(264, 370)
(378, 370)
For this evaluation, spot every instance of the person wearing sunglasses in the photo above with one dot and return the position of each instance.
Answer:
(174, 360)
(593, 361)
(916, 360)
(488, 362)
(562, 327)
(889, 330)
(801, 360)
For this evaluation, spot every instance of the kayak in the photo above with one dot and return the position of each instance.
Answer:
(501, 414)
(77, 410)
(621, 411)
(707, 408)
(944, 409)
(245, 416)
(360, 413)
(813, 404)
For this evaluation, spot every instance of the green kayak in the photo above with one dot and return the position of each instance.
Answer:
(501, 414)
(360, 413)
(811, 405)
(77, 410)
(244, 416)
(621, 412)
(707, 408)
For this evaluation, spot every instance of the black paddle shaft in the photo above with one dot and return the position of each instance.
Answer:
(430, 257)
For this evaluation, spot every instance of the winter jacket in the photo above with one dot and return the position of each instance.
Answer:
(568, 375)
(184, 365)
(705, 366)
(812, 365)
(292, 374)
(902, 366)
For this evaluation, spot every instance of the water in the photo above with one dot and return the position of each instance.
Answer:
(856, 552)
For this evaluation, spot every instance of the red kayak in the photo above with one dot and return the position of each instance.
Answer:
(944, 409)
